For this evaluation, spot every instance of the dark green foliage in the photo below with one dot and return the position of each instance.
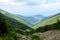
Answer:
(55, 26)
(3, 26)
(21, 32)
(14, 35)
(10, 26)
(35, 37)
(7, 37)
(6, 30)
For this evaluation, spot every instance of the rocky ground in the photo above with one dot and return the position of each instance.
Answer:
(50, 35)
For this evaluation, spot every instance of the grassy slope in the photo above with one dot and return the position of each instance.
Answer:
(15, 18)
(14, 26)
(48, 21)
(17, 26)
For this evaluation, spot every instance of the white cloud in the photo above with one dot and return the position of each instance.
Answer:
(58, 1)
(43, 5)
(51, 5)
(36, 1)
(17, 4)
(23, 8)
(5, 0)
(43, 1)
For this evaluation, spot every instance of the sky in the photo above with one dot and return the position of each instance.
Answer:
(31, 7)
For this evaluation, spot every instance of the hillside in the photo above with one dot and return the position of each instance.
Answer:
(48, 21)
(10, 26)
(14, 20)
(48, 32)
(6, 30)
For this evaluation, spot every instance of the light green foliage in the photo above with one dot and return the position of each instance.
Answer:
(48, 21)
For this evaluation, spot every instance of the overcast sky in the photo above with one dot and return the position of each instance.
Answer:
(31, 7)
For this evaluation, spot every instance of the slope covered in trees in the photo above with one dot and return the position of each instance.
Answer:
(9, 27)
(6, 31)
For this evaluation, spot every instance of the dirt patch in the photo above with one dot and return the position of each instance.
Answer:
(50, 35)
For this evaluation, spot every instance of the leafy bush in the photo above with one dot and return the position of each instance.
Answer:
(35, 37)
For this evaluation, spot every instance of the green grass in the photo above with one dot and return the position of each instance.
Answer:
(15, 17)
(48, 21)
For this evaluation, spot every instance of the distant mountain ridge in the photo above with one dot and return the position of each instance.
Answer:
(33, 20)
